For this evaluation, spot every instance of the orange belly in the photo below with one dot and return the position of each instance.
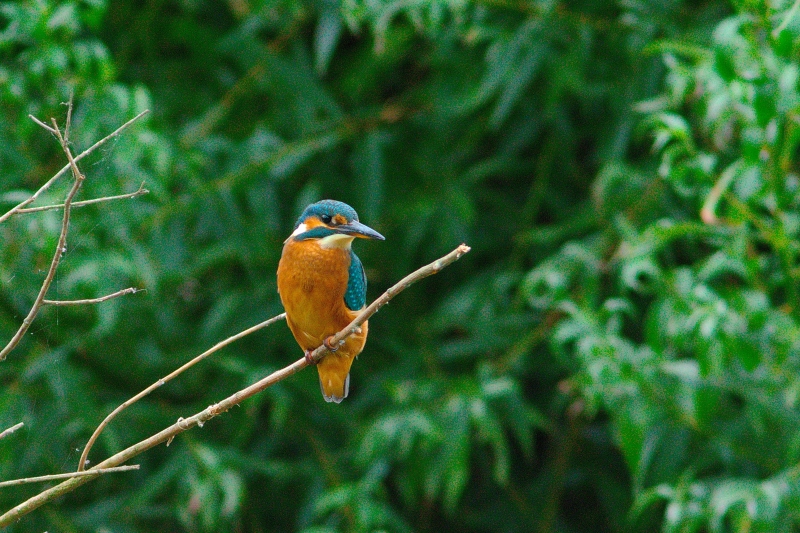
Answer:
(311, 283)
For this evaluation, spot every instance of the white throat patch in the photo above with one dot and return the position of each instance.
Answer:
(337, 240)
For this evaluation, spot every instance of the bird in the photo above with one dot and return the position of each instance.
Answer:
(322, 286)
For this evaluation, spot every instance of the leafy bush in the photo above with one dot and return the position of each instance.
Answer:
(685, 333)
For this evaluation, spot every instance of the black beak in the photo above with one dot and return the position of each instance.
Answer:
(357, 229)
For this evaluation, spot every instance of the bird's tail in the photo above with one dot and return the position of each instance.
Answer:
(334, 376)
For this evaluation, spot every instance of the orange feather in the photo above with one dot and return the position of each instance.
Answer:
(312, 282)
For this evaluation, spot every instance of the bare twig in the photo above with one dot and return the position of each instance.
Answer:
(60, 248)
(82, 203)
(67, 207)
(68, 127)
(213, 410)
(123, 292)
(172, 375)
(68, 475)
(12, 429)
(67, 167)
(42, 124)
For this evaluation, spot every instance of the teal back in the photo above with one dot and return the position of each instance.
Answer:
(355, 297)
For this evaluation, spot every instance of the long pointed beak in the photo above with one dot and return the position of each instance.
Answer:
(357, 229)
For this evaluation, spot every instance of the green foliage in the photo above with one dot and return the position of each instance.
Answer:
(685, 333)
(623, 338)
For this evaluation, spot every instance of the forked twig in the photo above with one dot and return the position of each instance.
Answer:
(67, 167)
(63, 139)
(60, 247)
(211, 411)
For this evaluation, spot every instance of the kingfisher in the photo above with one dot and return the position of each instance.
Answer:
(322, 286)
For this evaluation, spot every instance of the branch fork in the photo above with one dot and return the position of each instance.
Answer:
(61, 246)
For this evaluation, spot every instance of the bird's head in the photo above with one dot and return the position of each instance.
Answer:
(333, 224)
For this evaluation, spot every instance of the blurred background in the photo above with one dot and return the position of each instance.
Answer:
(605, 359)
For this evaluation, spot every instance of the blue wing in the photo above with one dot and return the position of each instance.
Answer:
(355, 297)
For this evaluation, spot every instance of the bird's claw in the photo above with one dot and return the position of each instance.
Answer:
(329, 345)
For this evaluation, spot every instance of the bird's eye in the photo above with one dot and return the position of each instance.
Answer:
(326, 219)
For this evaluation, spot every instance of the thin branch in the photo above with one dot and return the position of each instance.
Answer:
(69, 475)
(60, 248)
(213, 410)
(172, 375)
(82, 203)
(42, 124)
(67, 207)
(397, 288)
(67, 167)
(68, 127)
(123, 292)
(12, 429)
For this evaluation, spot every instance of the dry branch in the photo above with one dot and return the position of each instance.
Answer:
(68, 166)
(63, 140)
(211, 411)
(60, 247)
(172, 375)
(135, 194)
(68, 475)
(395, 289)
(123, 292)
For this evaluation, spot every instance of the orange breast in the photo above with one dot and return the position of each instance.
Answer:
(311, 283)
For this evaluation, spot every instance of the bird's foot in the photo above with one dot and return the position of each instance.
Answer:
(329, 345)
(309, 359)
